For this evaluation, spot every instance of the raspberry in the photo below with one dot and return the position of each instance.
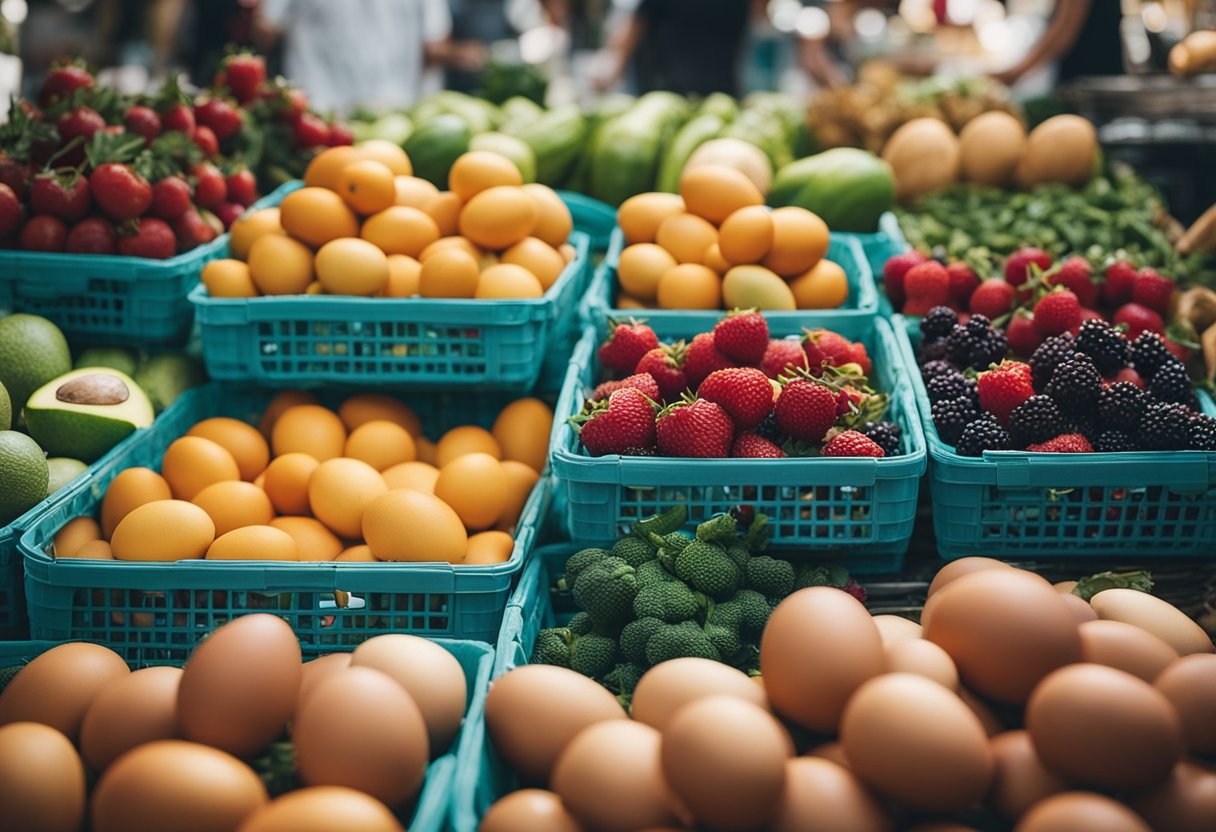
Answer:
(852, 443)
(1068, 443)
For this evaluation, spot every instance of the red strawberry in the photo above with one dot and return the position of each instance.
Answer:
(926, 286)
(626, 345)
(294, 103)
(154, 240)
(1065, 443)
(340, 134)
(219, 115)
(121, 192)
(826, 347)
(1024, 337)
(170, 198)
(62, 81)
(893, 273)
(751, 446)
(623, 424)
(1138, 319)
(1117, 288)
(62, 195)
(1153, 290)
(204, 138)
(849, 400)
(82, 123)
(697, 429)
(10, 211)
(15, 175)
(703, 357)
(229, 212)
(93, 235)
(243, 75)
(43, 233)
(742, 336)
(310, 131)
(142, 121)
(781, 355)
(1057, 312)
(209, 187)
(855, 589)
(852, 443)
(805, 410)
(642, 381)
(180, 117)
(667, 367)
(242, 187)
(1017, 267)
(1076, 275)
(745, 393)
(963, 282)
(859, 356)
(1004, 388)
(1128, 374)
(191, 230)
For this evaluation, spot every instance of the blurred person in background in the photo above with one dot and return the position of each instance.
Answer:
(475, 25)
(1082, 35)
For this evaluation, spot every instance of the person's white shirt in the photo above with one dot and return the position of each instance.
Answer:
(348, 54)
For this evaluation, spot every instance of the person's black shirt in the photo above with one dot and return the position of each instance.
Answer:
(1098, 49)
(691, 47)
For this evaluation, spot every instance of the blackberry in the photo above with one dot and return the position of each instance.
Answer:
(1164, 426)
(1104, 344)
(1148, 354)
(932, 369)
(1120, 406)
(951, 416)
(976, 344)
(938, 322)
(1035, 420)
(768, 428)
(1084, 424)
(1171, 384)
(1075, 385)
(947, 386)
(1050, 353)
(933, 350)
(1201, 436)
(983, 434)
(886, 435)
(1114, 441)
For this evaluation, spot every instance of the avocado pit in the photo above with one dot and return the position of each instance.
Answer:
(93, 389)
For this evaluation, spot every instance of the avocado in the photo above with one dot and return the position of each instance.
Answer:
(63, 471)
(32, 352)
(165, 377)
(84, 413)
(6, 409)
(116, 358)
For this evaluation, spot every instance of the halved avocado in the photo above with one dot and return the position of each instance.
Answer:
(84, 413)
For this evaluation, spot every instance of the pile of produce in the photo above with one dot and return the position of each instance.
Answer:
(1086, 705)
(247, 736)
(362, 484)
(379, 231)
(756, 397)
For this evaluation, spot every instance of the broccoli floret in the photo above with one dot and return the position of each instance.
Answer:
(634, 551)
(706, 568)
(606, 591)
(581, 624)
(739, 555)
(770, 577)
(726, 640)
(592, 655)
(624, 678)
(636, 635)
(810, 574)
(669, 521)
(652, 572)
(579, 561)
(671, 601)
(669, 547)
(754, 608)
(552, 647)
(719, 529)
(757, 535)
(676, 641)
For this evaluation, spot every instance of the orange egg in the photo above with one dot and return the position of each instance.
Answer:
(357, 554)
(746, 235)
(126, 492)
(414, 192)
(367, 186)
(800, 239)
(713, 259)
(192, 463)
(408, 525)
(640, 268)
(317, 215)
(521, 479)
(232, 505)
(279, 265)
(309, 429)
(386, 153)
(381, 444)
(400, 230)
(42, 780)
(475, 486)
(686, 237)
(362, 408)
(553, 220)
(286, 482)
(261, 542)
(350, 266)
(498, 217)
(95, 550)
(249, 228)
(450, 273)
(279, 405)
(75, 534)
(444, 208)
(228, 279)
(466, 439)
(489, 547)
(313, 540)
(164, 530)
(325, 169)
(640, 216)
(417, 475)
(404, 276)
(715, 192)
(478, 170)
(321, 809)
(340, 490)
(522, 431)
(444, 243)
(240, 439)
(538, 257)
(823, 286)
(505, 281)
(690, 286)
(128, 712)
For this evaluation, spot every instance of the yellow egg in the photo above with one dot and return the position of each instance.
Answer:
(192, 463)
(254, 543)
(690, 286)
(478, 170)
(466, 439)
(475, 486)
(686, 237)
(325, 168)
(640, 216)
(450, 273)
(249, 228)
(127, 491)
(450, 242)
(715, 192)
(521, 479)
(386, 153)
(286, 482)
(498, 217)
(824, 286)
(350, 266)
(228, 279)
(408, 525)
(357, 554)
(417, 475)
(247, 446)
(367, 186)
(231, 505)
(362, 408)
(314, 216)
(413, 191)
(279, 405)
(489, 547)
(538, 257)
(444, 208)
(75, 534)
(746, 235)
(553, 220)
(522, 432)
(640, 268)
(713, 259)
(400, 230)
(381, 444)
(162, 531)
(340, 490)
(404, 274)
(279, 265)
(505, 281)
(309, 429)
(95, 550)
(800, 239)
(313, 540)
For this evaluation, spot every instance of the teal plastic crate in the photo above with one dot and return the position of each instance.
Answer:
(157, 612)
(594, 218)
(880, 246)
(1032, 505)
(416, 343)
(860, 511)
(860, 308)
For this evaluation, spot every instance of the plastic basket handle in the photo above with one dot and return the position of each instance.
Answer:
(1195, 475)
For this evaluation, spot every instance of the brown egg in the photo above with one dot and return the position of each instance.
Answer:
(610, 777)
(1125, 647)
(893, 629)
(42, 786)
(725, 760)
(283, 401)
(924, 658)
(309, 429)
(57, 688)
(1021, 779)
(1103, 727)
(529, 810)
(285, 482)
(1081, 812)
(318, 670)
(533, 711)
(357, 554)
(234, 505)
(163, 530)
(75, 534)
(254, 543)
(917, 743)
(360, 729)
(1190, 685)
(821, 796)
(127, 492)
(247, 446)
(666, 688)
(809, 681)
(95, 550)
(340, 490)
(240, 685)
(128, 712)
(1005, 629)
(322, 809)
(192, 463)
(1185, 802)
(1160, 618)
(313, 540)
(956, 569)
(419, 476)
(381, 444)
(833, 751)
(489, 547)
(1081, 610)
(362, 408)
(521, 479)
(983, 712)
(171, 784)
